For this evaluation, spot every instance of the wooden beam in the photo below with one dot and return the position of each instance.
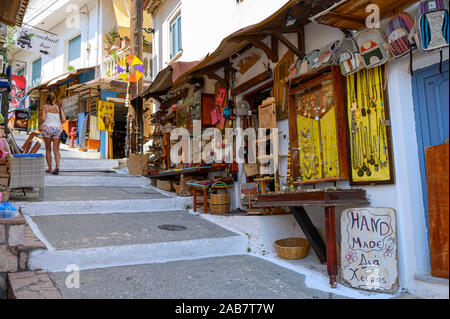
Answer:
(213, 76)
(301, 39)
(347, 17)
(251, 83)
(271, 53)
(289, 45)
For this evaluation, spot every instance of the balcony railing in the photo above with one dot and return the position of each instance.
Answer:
(112, 61)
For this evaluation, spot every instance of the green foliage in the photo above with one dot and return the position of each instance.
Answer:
(70, 68)
(110, 37)
(10, 39)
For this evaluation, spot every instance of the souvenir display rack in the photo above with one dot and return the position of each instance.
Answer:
(318, 127)
(369, 128)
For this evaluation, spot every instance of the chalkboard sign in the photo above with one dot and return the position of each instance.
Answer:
(369, 249)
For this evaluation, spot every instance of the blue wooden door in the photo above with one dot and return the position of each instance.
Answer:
(431, 109)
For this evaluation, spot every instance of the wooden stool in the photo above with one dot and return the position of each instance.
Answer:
(205, 198)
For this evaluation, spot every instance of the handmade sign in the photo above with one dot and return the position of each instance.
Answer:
(369, 249)
(35, 41)
(106, 116)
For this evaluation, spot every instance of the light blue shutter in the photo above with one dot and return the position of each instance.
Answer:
(75, 48)
(179, 34)
(36, 73)
(175, 33)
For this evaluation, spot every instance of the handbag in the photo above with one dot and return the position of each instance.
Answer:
(64, 135)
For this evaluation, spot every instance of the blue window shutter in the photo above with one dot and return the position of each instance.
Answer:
(75, 48)
(172, 38)
(175, 37)
(36, 72)
(179, 34)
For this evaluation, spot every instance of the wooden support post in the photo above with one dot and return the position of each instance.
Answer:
(310, 232)
(137, 44)
(194, 189)
(330, 225)
(205, 200)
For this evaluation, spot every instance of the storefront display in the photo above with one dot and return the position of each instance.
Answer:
(318, 141)
(369, 133)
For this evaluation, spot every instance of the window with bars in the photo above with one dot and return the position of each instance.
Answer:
(175, 37)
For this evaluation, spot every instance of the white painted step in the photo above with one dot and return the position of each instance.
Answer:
(68, 164)
(103, 257)
(135, 181)
(103, 206)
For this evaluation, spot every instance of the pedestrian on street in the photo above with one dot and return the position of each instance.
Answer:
(52, 117)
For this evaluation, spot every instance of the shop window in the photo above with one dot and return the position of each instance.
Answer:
(36, 72)
(175, 37)
(74, 49)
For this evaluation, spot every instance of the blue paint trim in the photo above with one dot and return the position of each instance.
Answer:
(425, 115)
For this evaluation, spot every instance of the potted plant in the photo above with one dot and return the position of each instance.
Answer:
(125, 42)
(111, 41)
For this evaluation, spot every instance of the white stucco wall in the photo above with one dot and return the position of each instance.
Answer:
(204, 24)
(96, 18)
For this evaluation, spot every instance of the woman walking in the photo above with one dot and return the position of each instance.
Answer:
(52, 117)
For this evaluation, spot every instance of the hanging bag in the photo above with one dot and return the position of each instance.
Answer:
(327, 54)
(349, 57)
(432, 25)
(64, 135)
(398, 31)
(371, 44)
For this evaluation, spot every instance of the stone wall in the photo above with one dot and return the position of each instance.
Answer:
(17, 240)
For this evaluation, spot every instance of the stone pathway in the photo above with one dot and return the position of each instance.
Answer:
(131, 240)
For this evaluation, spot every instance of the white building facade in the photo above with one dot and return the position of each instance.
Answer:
(204, 23)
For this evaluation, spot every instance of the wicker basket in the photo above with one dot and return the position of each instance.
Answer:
(26, 172)
(292, 248)
(219, 203)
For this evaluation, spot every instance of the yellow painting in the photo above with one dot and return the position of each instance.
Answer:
(106, 116)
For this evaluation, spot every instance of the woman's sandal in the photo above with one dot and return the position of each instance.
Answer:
(48, 171)
(56, 171)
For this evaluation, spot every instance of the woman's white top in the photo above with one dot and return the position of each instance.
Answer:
(52, 120)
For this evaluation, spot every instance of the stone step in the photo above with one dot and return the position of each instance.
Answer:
(229, 277)
(108, 240)
(63, 179)
(31, 285)
(95, 200)
(70, 164)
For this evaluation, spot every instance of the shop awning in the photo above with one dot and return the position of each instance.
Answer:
(122, 11)
(13, 11)
(351, 15)
(57, 80)
(102, 84)
(276, 24)
(167, 77)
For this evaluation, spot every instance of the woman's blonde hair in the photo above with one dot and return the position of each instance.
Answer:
(51, 98)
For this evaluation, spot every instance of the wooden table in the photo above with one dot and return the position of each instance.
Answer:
(327, 199)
